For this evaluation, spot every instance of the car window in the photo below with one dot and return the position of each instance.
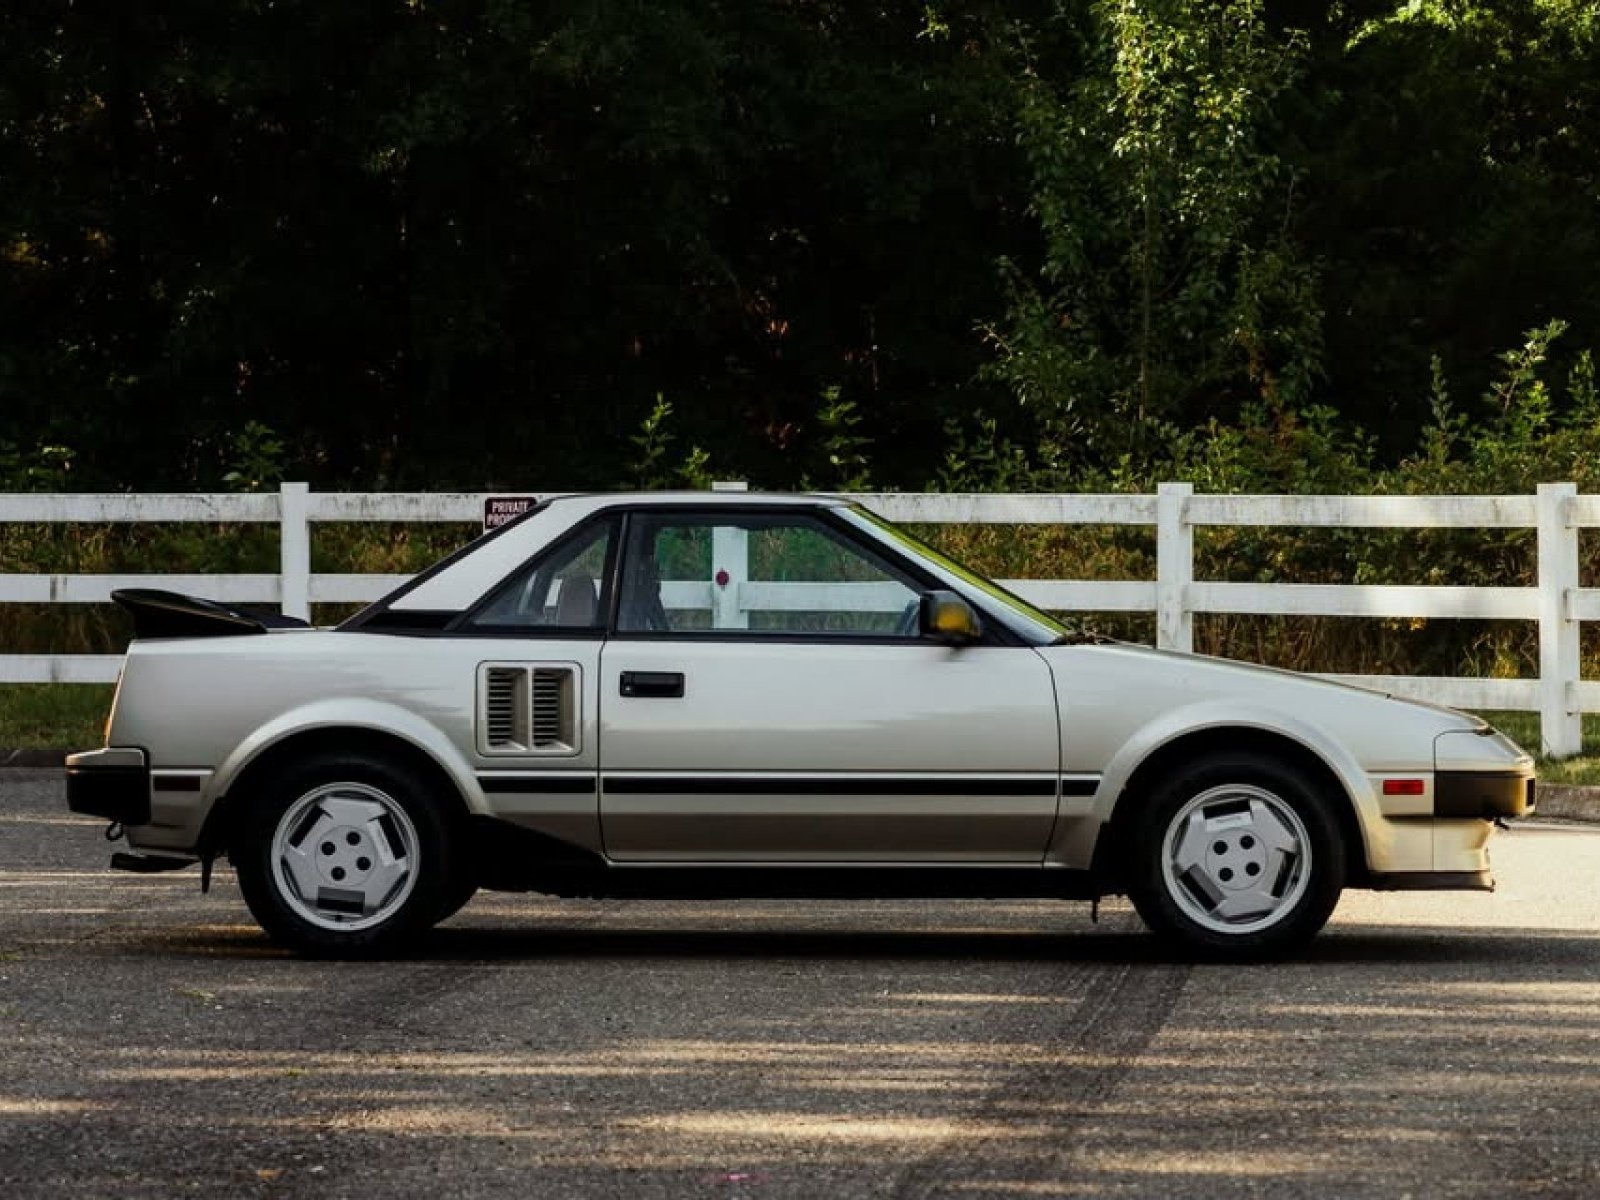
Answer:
(1048, 628)
(747, 573)
(564, 589)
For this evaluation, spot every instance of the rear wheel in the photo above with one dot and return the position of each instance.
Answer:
(1237, 856)
(346, 856)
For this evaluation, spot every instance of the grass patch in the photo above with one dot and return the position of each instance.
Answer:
(1581, 770)
(53, 716)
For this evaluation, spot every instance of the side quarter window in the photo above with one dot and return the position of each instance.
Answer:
(565, 588)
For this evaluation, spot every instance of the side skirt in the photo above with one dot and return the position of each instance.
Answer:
(1431, 881)
(511, 858)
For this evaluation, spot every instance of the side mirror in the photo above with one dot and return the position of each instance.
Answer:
(945, 617)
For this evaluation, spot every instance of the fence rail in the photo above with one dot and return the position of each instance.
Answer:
(1557, 514)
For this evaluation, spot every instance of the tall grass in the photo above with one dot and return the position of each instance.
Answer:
(399, 548)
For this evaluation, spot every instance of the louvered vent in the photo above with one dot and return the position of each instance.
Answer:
(549, 709)
(528, 709)
(505, 708)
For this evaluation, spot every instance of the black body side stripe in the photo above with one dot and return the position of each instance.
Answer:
(731, 785)
(573, 784)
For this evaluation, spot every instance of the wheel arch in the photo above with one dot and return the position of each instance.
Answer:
(1140, 780)
(429, 757)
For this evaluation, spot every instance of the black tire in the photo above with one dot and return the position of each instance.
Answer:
(1236, 856)
(347, 855)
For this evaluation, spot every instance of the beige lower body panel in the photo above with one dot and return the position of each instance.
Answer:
(179, 804)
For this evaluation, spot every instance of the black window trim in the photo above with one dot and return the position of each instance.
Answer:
(995, 633)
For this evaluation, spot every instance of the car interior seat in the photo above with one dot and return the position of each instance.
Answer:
(577, 604)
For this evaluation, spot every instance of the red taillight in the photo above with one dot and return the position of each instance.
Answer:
(1404, 787)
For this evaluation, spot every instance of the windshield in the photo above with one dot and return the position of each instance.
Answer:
(1038, 625)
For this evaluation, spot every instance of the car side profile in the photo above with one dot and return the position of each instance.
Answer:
(752, 695)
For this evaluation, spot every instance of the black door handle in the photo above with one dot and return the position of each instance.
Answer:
(666, 685)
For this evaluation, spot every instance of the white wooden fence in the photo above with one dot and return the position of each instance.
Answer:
(1557, 603)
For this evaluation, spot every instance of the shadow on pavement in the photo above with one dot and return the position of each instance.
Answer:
(510, 944)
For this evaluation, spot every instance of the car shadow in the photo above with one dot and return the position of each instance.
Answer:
(482, 944)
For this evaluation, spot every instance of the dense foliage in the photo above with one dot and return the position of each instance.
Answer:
(1256, 243)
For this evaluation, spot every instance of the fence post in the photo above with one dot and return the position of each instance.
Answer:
(730, 570)
(730, 567)
(1174, 567)
(294, 547)
(1560, 727)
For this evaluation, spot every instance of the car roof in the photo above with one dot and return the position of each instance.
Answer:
(594, 501)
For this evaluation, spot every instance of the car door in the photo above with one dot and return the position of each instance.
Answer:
(765, 697)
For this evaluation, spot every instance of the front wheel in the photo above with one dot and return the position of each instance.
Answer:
(346, 856)
(1237, 856)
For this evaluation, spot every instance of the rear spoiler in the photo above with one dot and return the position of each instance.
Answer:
(158, 614)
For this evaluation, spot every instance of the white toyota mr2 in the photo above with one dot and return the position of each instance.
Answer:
(744, 695)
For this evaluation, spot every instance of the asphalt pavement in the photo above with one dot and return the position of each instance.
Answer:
(157, 1045)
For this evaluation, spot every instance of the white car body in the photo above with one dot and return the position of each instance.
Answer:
(865, 760)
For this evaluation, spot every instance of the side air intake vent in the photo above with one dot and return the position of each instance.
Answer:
(550, 708)
(528, 708)
(505, 708)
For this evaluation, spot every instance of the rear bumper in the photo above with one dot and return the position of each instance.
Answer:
(113, 783)
(1484, 795)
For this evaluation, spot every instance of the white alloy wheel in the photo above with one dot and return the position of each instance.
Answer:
(1236, 856)
(344, 857)
(1236, 859)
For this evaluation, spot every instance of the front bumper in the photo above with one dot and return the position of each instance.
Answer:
(113, 783)
(1481, 775)
(1484, 795)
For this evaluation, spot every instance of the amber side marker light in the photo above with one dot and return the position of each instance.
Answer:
(1403, 787)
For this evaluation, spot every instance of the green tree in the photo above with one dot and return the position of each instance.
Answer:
(465, 242)
(1170, 286)
(1451, 157)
